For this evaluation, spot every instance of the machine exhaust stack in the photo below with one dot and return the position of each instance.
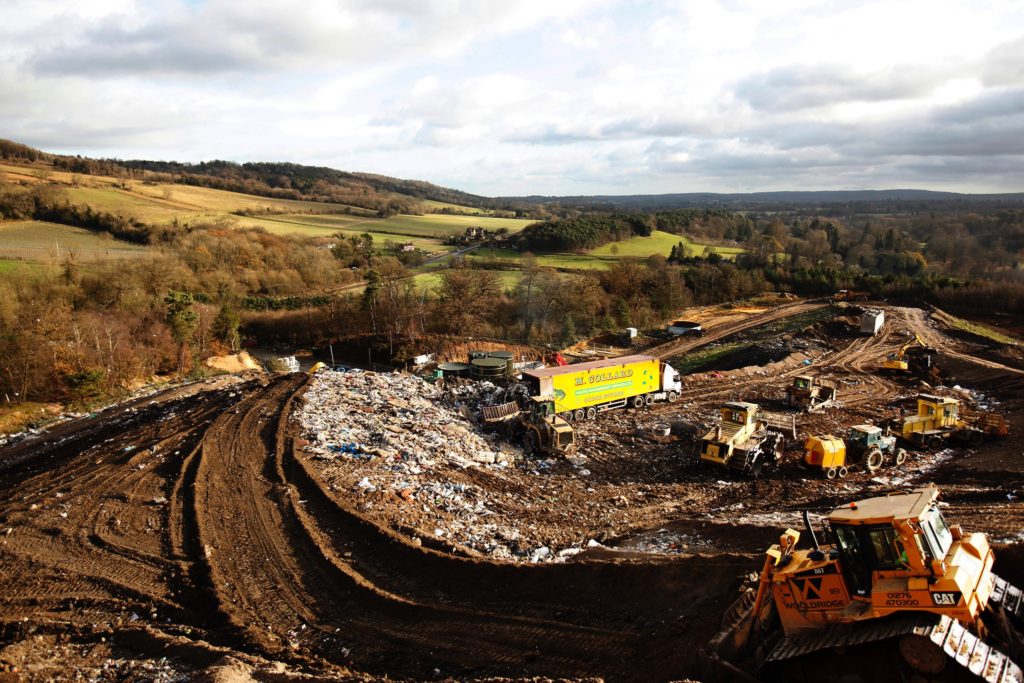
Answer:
(810, 530)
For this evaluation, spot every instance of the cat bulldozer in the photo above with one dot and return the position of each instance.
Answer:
(539, 429)
(747, 439)
(896, 594)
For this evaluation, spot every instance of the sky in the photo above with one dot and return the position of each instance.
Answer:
(549, 97)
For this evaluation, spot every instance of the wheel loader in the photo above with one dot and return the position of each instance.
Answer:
(744, 441)
(810, 393)
(896, 594)
(865, 445)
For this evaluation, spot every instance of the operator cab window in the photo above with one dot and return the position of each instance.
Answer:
(888, 554)
(854, 563)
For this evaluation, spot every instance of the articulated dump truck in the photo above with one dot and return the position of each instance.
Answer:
(582, 390)
(896, 594)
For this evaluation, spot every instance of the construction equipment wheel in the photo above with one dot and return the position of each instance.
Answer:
(579, 415)
(873, 460)
(900, 457)
(757, 469)
(975, 437)
(933, 442)
(637, 402)
(922, 654)
(673, 396)
(831, 473)
(530, 443)
(843, 472)
(591, 413)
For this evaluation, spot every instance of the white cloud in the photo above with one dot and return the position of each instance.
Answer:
(533, 96)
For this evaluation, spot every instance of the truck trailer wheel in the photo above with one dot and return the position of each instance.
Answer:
(567, 416)
(648, 399)
(579, 415)
(673, 396)
(591, 413)
(637, 402)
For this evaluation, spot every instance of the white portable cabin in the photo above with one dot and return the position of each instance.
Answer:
(871, 321)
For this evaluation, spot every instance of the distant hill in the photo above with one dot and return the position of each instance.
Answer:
(765, 200)
(388, 195)
(280, 180)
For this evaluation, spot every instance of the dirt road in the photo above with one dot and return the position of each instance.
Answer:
(164, 536)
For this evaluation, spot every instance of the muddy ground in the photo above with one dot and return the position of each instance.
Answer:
(190, 536)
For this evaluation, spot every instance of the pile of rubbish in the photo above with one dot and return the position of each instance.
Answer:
(409, 453)
(394, 417)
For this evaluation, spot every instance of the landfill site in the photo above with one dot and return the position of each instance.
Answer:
(616, 518)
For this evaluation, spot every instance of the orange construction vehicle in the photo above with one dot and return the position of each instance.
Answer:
(896, 594)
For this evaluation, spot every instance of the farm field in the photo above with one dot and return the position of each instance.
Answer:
(439, 225)
(658, 243)
(18, 268)
(509, 279)
(41, 241)
(311, 226)
(607, 255)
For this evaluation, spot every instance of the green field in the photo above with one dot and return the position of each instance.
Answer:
(429, 228)
(439, 225)
(508, 279)
(658, 243)
(40, 241)
(317, 227)
(12, 267)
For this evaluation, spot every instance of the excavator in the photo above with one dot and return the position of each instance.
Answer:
(914, 356)
(896, 594)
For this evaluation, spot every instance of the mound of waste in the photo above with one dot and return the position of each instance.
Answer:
(409, 454)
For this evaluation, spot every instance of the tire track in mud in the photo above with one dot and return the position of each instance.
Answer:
(84, 532)
(687, 344)
(338, 581)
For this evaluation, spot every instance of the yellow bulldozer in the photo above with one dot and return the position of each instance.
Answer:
(896, 594)
(809, 392)
(747, 439)
(938, 419)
